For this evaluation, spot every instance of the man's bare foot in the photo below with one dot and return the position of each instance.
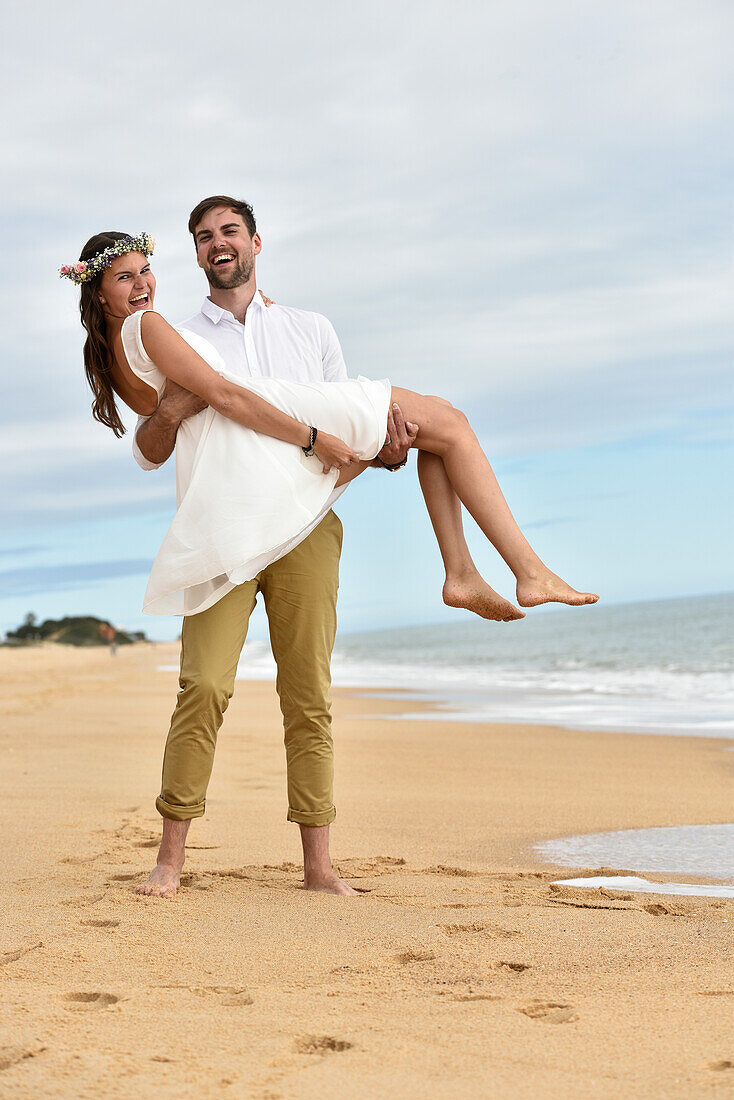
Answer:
(328, 884)
(548, 588)
(474, 594)
(162, 882)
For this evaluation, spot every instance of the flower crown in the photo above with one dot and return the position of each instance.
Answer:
(84, 270)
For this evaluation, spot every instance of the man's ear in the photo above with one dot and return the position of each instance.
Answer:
(257, 244)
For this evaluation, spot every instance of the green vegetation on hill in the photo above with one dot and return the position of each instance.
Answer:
(72, 630)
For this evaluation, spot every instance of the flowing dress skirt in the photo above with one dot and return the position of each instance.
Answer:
(250, 498)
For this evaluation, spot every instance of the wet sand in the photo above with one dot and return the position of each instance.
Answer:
(459, 971)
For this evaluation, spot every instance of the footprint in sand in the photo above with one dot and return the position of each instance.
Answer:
(84, 901)
(476, 997)
(667, 909)
(366, 866)
(100, 923)
(231, 995)
(592, 900)
(11, 1056)
(464, 905)
(124, 878)
(722, 1064)
(551, 1012)
(480, 929)
(399, 899)
(196, 882)
(453, 872)
(13, 956)
(407, 957)
(512, 967)
(321, 1044)
(90, 1000)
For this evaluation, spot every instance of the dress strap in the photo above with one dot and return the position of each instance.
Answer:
(132, 341)
(137, 357)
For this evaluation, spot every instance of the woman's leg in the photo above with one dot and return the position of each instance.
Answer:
(444, 431)
(464, 585)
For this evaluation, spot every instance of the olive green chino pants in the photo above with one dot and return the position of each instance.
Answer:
(299, 592)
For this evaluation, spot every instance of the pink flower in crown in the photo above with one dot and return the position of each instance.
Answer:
(80, 268)
(65, 270)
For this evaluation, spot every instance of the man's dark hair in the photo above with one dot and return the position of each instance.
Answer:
(242, 208)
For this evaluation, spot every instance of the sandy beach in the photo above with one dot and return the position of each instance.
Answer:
(461, 970)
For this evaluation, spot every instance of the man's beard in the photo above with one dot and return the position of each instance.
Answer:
(236, 276)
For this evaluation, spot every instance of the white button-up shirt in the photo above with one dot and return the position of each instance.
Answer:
(274, 342)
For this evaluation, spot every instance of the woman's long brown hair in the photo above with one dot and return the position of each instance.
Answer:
(97, 351)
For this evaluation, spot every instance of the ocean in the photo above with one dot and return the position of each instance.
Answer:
(662, 667)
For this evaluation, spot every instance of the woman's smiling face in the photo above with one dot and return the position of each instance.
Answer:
(127, 285)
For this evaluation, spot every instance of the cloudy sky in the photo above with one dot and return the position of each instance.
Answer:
(525, 207)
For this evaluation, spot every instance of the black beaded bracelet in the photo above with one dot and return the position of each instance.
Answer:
(309, 450)
(395, 465)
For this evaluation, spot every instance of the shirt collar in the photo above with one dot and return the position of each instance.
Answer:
(215, 313)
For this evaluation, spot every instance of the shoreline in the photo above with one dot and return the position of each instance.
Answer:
(444, 976)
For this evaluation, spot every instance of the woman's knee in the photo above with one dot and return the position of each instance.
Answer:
(456, 418)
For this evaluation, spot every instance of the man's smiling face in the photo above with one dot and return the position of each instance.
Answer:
(225, 251)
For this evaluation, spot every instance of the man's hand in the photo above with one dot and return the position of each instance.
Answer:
(400, 438)
(178, 404)
(156, 438)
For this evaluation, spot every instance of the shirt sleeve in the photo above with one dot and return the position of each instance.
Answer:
(138, 455)
(332, 359)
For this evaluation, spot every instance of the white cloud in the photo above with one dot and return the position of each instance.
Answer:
(526, 207)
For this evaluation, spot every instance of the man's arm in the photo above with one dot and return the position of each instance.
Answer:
(155, 437)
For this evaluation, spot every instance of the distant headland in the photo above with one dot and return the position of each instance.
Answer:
(79, 630)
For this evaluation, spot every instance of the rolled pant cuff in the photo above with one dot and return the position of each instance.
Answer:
(323, 817)
(179, 813)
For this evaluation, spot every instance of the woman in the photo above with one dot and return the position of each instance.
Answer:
(247, 497)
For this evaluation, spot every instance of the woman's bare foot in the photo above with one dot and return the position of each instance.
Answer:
(162, 882)
(546, 587)
(474, 594)
(328, 884)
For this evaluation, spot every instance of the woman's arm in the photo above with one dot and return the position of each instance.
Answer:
(178, 361)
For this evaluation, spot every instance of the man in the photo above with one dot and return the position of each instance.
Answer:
(299, 590)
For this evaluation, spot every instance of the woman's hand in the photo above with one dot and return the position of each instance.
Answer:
(333, 452)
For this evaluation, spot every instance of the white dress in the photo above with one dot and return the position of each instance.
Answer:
(245, 499)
